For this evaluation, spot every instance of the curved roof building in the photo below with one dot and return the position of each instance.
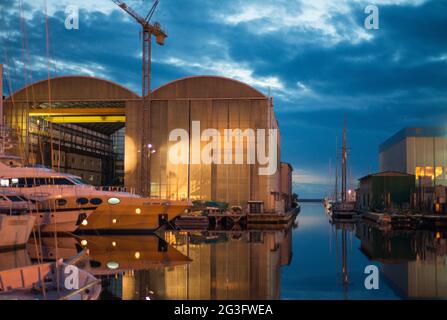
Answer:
(83, 114)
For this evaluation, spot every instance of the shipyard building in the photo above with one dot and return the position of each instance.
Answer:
(93, 128)
(420, 151)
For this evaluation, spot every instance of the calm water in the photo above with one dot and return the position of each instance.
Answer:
(304, 262)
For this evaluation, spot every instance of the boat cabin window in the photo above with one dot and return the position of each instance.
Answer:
(32, 182)
(14, 198)
(62, 181)
(79, 181)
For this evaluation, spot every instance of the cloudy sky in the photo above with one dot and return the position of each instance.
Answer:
(315, 56)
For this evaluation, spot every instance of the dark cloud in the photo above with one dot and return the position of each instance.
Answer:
(397, 78)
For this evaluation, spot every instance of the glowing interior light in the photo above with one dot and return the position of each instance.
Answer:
(84, 222)
(137, 210)
(114, 244)
(112, 265)
(114, 221)
(137, 255)
(113, 201)
(149, 145)
(84, 242)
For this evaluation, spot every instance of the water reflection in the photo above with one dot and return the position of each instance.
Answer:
(14, 259)
(328, 262)
(341, 229)
(240, 265)
(413, 262)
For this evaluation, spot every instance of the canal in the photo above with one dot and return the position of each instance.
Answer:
(306, 261)
(313, 259)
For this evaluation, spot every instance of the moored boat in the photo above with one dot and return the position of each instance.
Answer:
(52, 215)
(15, 230)
(48, 281)
(114, 211)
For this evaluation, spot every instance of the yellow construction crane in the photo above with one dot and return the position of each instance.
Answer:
(148, 30)
(160, 36)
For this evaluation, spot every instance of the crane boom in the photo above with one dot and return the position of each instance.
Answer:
(155, 29)
(130, 11)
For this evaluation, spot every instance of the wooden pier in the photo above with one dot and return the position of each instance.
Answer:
(406, 221)
(237, 221)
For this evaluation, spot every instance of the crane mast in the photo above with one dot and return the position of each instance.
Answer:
(148, 30)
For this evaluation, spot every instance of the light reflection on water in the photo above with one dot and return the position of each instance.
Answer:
(327, 262)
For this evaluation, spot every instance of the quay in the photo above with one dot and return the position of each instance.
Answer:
(406, 221)
(215, 219)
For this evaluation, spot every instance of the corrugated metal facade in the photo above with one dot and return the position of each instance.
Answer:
(218, 103)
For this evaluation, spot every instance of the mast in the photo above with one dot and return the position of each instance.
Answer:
(343, 166)
(336, 171)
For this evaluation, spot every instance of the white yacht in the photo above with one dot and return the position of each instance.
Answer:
(112, 211)
(50, 214)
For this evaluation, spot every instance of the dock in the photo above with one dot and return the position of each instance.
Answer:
(406, 221)
(233, 220)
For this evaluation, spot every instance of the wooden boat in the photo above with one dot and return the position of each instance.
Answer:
(48, 281)
(344, 209)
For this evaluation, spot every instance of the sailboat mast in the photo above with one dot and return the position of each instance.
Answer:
(343, 166)
(336, 171)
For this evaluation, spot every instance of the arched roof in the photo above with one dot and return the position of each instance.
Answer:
(74, 88)
(205, 87)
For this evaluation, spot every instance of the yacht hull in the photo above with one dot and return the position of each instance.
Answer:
(134, 215)
(15, 231)
(60, 220)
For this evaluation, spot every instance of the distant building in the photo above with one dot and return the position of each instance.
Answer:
(418, 151)
(385, 190)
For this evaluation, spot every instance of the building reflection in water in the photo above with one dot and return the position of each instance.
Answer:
(226, 265)
(14, 259)
(413, 262)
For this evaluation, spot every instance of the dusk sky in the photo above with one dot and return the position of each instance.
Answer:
(318, 60)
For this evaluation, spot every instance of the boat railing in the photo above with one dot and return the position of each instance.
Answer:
(114, 189)
(81, 291)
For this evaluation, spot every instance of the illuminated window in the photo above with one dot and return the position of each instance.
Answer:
(429, 172)
(438, 171)
(420, 172)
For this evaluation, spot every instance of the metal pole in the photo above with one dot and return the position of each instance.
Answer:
(1, 94)
(343, 168)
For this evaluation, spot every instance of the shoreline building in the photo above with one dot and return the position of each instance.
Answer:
(93, 128)
(420, 151)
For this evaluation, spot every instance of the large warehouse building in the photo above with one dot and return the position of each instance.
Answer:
(93, 128)
(418, 151)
